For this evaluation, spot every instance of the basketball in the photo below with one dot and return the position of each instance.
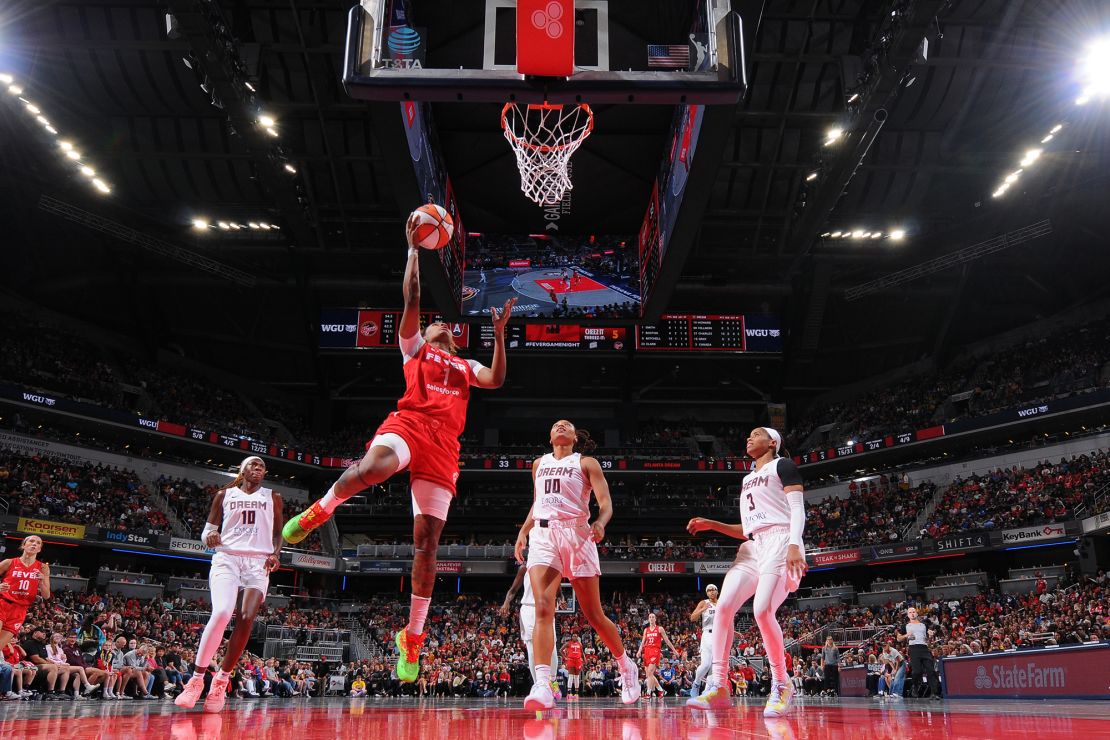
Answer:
(433, 227)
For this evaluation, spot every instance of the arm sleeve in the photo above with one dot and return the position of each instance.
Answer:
(475, 367)
(788, 473)
(411, 345)
(796, 499)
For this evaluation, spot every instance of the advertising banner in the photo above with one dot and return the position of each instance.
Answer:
(888, 552)
(836, 557)
(1097, 522)
(449, 566)
(125, 537)
(853, 681)
(662, 567)
(1033, 534)
(189, 547)
(1079, 672)
(44, 528)
(717, 566)
(384, 566)
(311, 561)
(954, 543)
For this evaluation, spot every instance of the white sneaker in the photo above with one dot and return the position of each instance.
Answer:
(189, 695)
(778, 703)
(539, 698)
(13, 695)
(630, 685)
(217, 693)
(89, 688)
(714, 697)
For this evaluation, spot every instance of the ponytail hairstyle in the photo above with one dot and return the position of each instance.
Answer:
(583, 443)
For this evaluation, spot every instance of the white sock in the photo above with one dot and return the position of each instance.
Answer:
(418, 612)
(543, 675)
(330, 502)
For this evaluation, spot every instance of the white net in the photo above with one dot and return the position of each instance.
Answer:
(543, 138)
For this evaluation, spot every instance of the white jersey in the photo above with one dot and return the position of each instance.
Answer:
(562, 489)
(527, 599)
(763, 501)
(248, 523)
(707, 617)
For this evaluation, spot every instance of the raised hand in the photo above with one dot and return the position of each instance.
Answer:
(500, 318)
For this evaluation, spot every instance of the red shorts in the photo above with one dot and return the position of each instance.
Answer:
(574, 666)
(12, 616)
(652, 658)
(435, 455)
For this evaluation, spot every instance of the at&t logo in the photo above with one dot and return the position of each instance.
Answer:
(547, 20)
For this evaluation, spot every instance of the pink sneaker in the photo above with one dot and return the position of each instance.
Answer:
(217, 693)
(189, 695)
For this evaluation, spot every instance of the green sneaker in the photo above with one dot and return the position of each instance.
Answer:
(299, 527)
(408, 655)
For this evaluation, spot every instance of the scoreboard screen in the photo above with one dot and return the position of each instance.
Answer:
(557, 336)
(710, 333)
(369, 328)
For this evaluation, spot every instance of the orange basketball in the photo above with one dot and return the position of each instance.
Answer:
(434, 226)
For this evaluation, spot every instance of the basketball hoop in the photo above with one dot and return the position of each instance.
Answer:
(543, 138)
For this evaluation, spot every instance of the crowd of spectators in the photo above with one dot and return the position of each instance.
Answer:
(58, 489)
(1017, 497)
(1068, 362)
(878, 510)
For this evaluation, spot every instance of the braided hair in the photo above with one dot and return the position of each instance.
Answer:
(583, 443)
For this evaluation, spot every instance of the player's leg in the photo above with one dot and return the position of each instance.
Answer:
(704, 666)
(739, 586)
(545, 587)
(387, 454)
(527, 629)
(769, 595)
(588, 592)
(223, 584)
(430, 504)
(5, 637)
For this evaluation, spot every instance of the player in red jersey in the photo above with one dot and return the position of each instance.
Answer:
(651, 647)
(423, 436)
(25, 578)
(572, 660)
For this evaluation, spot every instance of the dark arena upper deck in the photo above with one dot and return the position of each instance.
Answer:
(855, 246)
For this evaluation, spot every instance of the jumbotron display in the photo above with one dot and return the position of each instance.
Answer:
(711, 333)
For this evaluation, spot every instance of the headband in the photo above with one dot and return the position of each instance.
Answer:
(778, 440)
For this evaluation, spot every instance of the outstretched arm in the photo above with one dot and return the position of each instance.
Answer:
(518, 582)
(410, 318)
(494, 375)
(700, 524)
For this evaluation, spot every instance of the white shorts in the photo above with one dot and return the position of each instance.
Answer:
(239, 571)
(765, 554)
(427, 497)
(568, 547)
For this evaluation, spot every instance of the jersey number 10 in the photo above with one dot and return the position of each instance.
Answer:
(248, 517)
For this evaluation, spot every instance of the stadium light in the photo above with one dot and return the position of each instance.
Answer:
(73, 154)
(264, 226)
(290, 169)
(898, 235)
(223, 225)
(1047, 139)
(88, 171)
(832, 135)
(250, 86)
(6, 78)
(15, 89)
(271, 132)
(1012, 177)
(877, 235)
(809, 178)
(1056, 129)
(1030, 157)
(101, 185)
(200, 224)
(835, 235)
(1095, 69)
(267, 121)
(51, 129)
(32, 109)
(857, 234)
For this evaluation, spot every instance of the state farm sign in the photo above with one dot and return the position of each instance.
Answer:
(1081, 672)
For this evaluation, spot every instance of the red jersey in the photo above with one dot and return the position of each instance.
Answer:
(437, 384)
(574, 652)
(653, 640)
(23, 582)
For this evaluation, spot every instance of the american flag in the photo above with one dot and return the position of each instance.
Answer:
(668, 56)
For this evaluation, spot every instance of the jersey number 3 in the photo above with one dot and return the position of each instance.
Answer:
(751, 501)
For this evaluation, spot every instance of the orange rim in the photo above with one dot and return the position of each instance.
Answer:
(516, 140)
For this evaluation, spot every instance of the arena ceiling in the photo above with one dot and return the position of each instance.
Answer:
(998, 75)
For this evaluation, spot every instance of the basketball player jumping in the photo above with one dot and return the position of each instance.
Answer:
(651, 647)
(562, 543)
(768, 566)
(25, 578)
(244, 527)
(706, 611)
(423, 436)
